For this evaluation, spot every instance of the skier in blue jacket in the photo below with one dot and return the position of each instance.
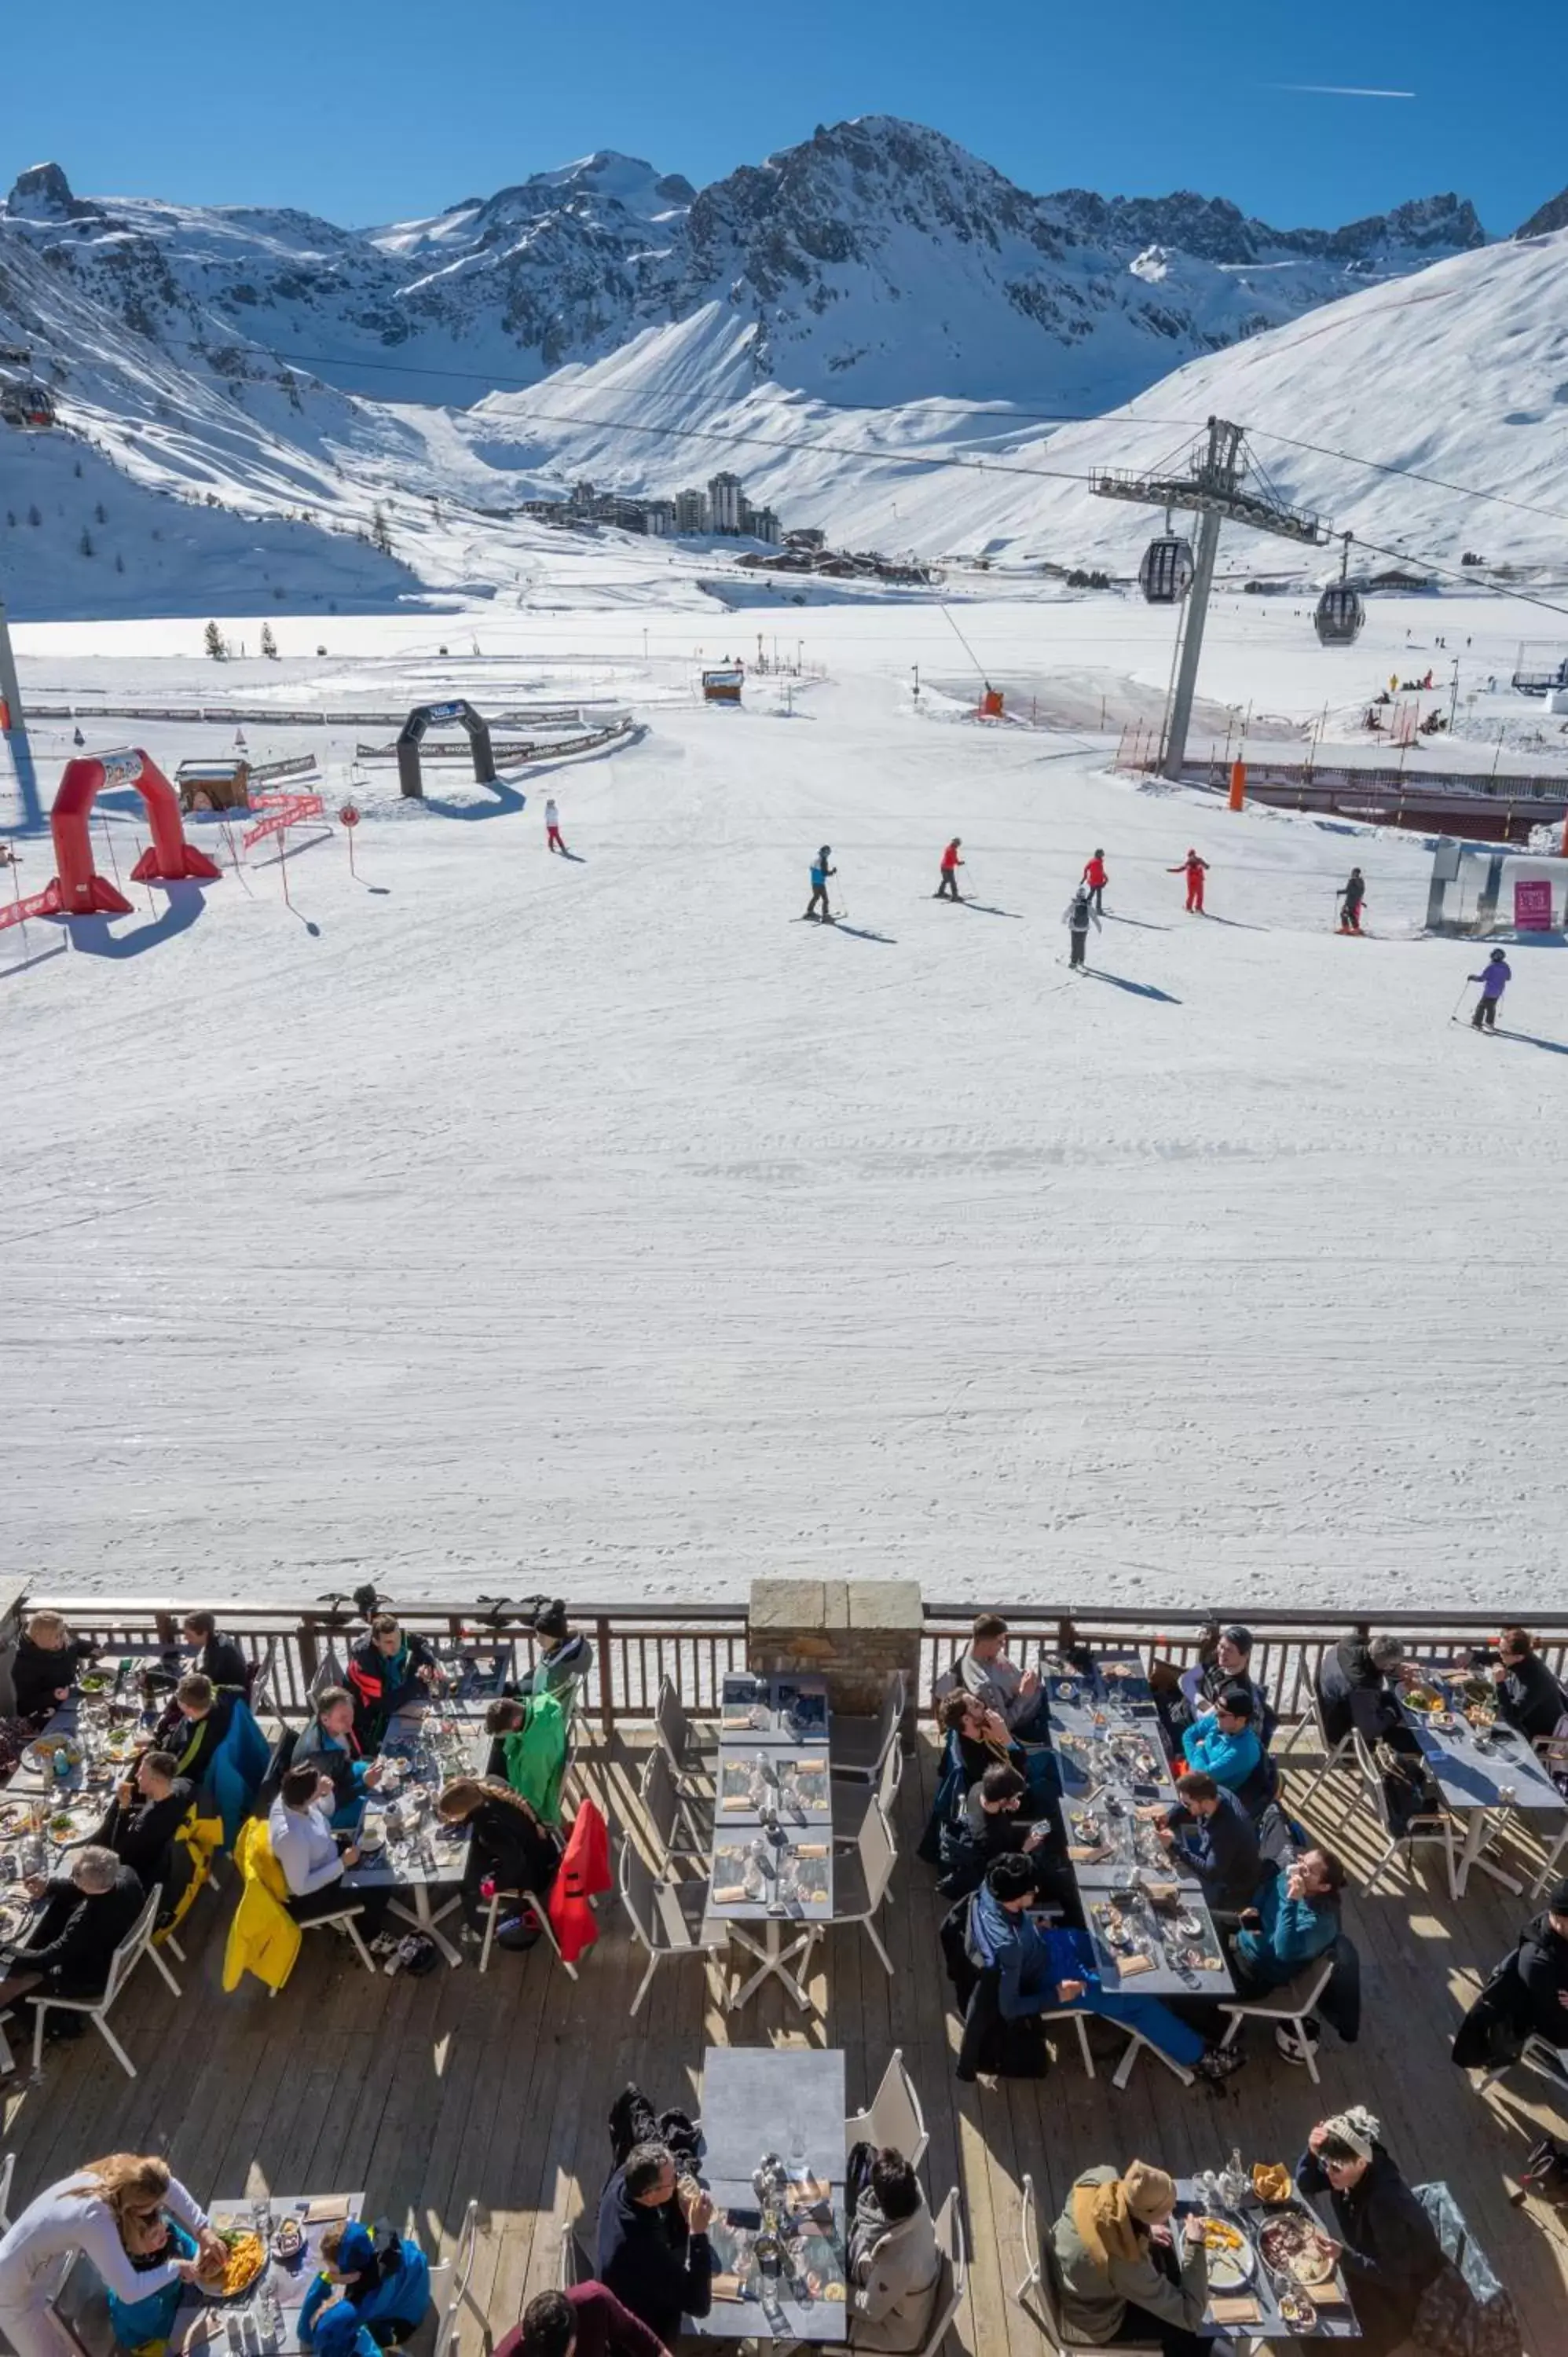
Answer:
(1494, 978)
(817, 906)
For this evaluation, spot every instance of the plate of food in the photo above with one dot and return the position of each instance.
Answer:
(1425, 1699)
(1298, 2312)
(71, 1825)
(1232, 2262)
(41, 1752)
(1271, 2181)
(288, 2242)
(94, 1682)
(1293, 2247)
(243, 2263)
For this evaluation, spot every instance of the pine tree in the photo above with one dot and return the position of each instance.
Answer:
(11, 517)
(84, 545)
(269, 644)
(381, 536)
(213, 644)
(119, 563)
(34, 518)
(100, 512)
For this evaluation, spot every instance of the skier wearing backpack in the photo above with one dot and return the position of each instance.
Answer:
(1352, 897)
(1095, 876)
(1194, 869)
(817, 906)
(948, 888)
(1494, 978)
(1078, 917)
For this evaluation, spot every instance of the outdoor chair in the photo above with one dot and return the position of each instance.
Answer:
(668, 1919)
(861, 1878)
(671, 1813)
(893, 2116)
(331, 1672)
(346, 1923)
(1136, 2042)
(1429, 1832)
(1042, 2277)
(259, 1692)
(8, 2171)
(687, 1758)
(1334, 1755)
(857, 1748)
(449, 2286)
(947, 2298)
(1288, 2006)
(854, 1800)
(516, 1900)
(136, 1943)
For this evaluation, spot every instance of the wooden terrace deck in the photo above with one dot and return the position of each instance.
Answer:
(429, 2092)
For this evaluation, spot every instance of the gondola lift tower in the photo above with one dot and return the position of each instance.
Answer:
(1219, 482)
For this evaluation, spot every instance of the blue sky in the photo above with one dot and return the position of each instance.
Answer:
(370, 109)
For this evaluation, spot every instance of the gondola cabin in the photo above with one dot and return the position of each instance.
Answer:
(26, 404)
(1339, 615)
(1164, 576)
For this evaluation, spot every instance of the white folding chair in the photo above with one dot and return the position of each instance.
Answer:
(1427, 1832)
(519, 1899)
(8, 2171)
(261, 1684)
(893, 2117)
(1334, 1755)
(669, 1811)
(853, 1800)
(673, 1730)
(1136, 2044)
(1292, 2004)
(1042, 2277)
(948, 2296)
(449, 2284)
(857, 1747)
(861, 1878)
(136, 1943)
(1076, 2016)
(667, 1919)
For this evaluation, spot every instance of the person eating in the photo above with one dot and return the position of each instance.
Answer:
(384, 2278)
(331, 1747)
(1358, 1689)
(390, 1670)
(1210, 1836)
(1388, 2247)
(653, 2248)
(508, 1844)
(1043, 1971)
(45, 1666)
(147, 1811)
(1124, 2277)
(217, 1658)
(194, 1725)
(1017, 1697)
(1529, 1697)
(83, 1914)
(312, 1859)
(1294, 1918)
(101, 2210)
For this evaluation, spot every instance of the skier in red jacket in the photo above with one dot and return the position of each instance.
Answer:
(1096, 878)
(1194, 869)
(948, 888)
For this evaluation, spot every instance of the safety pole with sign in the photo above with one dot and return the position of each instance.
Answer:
(348, 818)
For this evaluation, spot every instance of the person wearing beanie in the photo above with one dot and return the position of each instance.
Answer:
(383, 2278)
(1124, 2275)
(564, 1652)
(1391, 2251)
(1494, 978)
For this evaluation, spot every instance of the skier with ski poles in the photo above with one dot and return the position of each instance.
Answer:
(1194, 869)
(553, 827)
(1350, 902)
(817, 906)
(1078, 917)
(1095, 876)
(948, 888)
(1494, 978)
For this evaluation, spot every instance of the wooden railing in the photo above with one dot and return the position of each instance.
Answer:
(695, 1645)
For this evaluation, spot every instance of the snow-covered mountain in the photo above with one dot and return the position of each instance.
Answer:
(876, 261)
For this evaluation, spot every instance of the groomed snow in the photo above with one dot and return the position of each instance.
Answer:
(494, 1221)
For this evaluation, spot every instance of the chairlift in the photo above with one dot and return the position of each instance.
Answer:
(1164, 576)
(1340, 612)
(26, 404)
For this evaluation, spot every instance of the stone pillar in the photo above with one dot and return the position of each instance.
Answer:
(854, 1632)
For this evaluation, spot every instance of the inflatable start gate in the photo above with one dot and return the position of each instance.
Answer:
(77, 890)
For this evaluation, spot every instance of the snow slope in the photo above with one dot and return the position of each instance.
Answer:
(498, 1219)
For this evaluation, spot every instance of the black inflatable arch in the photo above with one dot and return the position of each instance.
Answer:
(409, 774)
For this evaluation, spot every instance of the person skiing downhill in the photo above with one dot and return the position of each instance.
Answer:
(817, 906)
(1095, 876)
(1078, 917)
(553, 827)
(1194, 869)
(1352, 897)
(948, 888)
(1494, 978)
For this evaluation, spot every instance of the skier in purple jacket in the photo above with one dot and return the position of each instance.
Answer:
(1494, 978)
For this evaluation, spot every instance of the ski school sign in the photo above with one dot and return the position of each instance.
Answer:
(283, 811)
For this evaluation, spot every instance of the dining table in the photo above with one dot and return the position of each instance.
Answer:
(1249, 2309)
(405, 1847)
(1482, 1771)
(779, 2247)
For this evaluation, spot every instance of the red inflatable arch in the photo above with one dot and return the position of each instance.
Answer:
(80, 891)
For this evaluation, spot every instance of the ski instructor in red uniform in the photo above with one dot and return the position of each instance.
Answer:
(1096, 878)
(948, 888)
(1194, 869)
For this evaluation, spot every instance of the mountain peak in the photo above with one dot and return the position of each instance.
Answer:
(43, 193)
(1552, 215)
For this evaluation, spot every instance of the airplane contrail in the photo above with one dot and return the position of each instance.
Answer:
(1338, 89)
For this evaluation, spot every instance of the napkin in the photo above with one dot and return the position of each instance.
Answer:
(330, 2207)
(737, 1801)
(1081, 1855)
(731, 1896)
(735, 1720)
(1240, 2309)
(1329, 2295)
(1128, 1965)
(810, 1849)
(725, 2287)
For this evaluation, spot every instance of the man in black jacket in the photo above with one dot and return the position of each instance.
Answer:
(1529, 1697)
(86, 1912)
(145, 1816)
(193, 1726)
(217, 1658)
(1211, 1834)
(654, 2248)
(1356, 1689)
(1543, 1967)
(387, 1670)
